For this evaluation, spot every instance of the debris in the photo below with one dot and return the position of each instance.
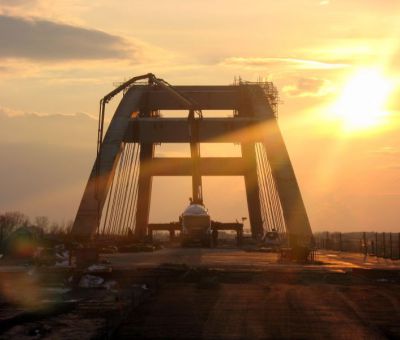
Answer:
(109, 250)
(99, 268)
(61, 256)
(86, 257)
(32, 271)
(45, 256)
(64, 263)
(59, 248)
(90, 281)
(38, 330)
(140, 286)
(110, 285)
(56, 290)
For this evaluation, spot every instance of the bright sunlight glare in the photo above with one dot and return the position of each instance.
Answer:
(361, 105)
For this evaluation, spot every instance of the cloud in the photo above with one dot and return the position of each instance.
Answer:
(44, 40)
(43, 147)
(256, 62)
(16, 3)
(4, 70)
(7, 112)
(386, 157)
(17, 126)
(308, 87)
(386, 150)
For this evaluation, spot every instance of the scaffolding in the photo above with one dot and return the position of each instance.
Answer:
(270, 91)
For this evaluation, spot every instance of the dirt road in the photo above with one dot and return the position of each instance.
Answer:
(210, 294)
(292, 306)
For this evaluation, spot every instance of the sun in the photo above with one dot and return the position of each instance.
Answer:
(361, 105)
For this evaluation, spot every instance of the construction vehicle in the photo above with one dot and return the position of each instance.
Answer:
(271, 240)
(196, 226)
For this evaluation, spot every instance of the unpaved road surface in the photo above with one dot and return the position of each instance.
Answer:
(207, 294)
(282, 306)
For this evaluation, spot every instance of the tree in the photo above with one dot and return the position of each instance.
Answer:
(42, 222)
(68, 226)
(10, 221)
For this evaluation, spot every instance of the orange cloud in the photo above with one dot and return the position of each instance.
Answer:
(308, 87)
(256, 62)
(44, 40)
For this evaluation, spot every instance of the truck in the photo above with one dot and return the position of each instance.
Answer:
(196, 226)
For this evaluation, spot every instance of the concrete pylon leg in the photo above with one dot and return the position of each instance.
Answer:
(294, 212)
(252, 190)
(297, 224)
(144, 191)
(88, 216)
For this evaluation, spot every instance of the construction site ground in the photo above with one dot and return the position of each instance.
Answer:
(196, 293)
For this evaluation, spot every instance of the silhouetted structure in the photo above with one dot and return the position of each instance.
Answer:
(118, 193)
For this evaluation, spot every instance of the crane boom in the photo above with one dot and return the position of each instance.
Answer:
(190, 104)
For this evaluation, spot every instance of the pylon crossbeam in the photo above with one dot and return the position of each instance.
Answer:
(208, 166)
(211, 130)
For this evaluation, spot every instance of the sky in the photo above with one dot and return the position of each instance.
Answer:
(336, 65)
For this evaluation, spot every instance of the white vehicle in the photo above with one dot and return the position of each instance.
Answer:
(272, 240)
(196, 226)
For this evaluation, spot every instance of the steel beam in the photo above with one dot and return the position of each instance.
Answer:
(176, 130)
(207, 98)
(208, 166)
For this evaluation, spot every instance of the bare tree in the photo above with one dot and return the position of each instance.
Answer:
(43, 223)
(68, 226)
(10, 221)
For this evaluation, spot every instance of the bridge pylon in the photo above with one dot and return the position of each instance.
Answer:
(117, 196)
